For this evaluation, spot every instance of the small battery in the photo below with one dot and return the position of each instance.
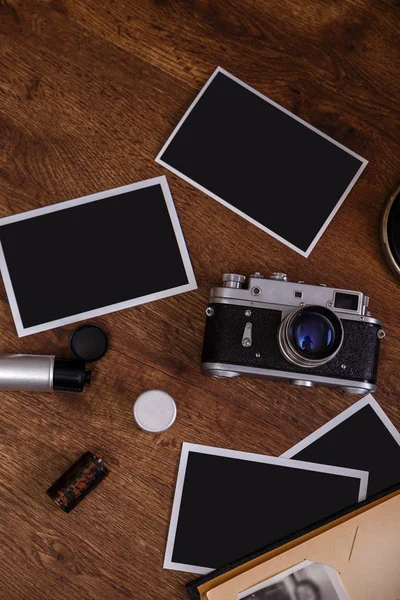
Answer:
(80, 479)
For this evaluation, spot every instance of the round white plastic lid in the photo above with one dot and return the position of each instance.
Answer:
(154, 411)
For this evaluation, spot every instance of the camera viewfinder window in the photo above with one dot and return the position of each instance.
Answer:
(346, 301)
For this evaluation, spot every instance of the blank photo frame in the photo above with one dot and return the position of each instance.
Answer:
(229, 503)
(361, 437)
(261, 161)
(93, 255)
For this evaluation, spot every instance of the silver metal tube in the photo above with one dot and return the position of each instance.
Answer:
(28, 372)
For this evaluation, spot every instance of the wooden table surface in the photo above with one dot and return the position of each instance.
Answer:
(89, 92)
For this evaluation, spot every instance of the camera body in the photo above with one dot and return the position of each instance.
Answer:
(305, 334)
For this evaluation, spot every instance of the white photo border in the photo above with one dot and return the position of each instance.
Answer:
(346, 192)
(210, 450)
(368, 400)
(331, 573)
(191, 285)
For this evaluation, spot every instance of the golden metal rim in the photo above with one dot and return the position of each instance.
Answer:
(384, 235)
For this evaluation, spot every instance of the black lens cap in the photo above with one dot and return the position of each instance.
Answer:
(391, 232)
(89, 342)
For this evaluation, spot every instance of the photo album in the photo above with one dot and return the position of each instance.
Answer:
(253, 500)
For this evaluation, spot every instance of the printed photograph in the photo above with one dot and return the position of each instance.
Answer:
(306, 581)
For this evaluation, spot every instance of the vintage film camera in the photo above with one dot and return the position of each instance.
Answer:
(306, 334)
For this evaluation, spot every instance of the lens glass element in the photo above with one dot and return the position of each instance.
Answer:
(312, 334)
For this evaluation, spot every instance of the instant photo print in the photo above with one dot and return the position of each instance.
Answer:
(308, 580)
(361, 437)
(261, 161)
(93, 255)
(361, 543)
(230, 503)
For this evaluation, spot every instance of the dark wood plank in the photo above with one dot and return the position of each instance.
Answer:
(89, 91)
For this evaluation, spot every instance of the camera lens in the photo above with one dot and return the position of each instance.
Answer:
(310, 336)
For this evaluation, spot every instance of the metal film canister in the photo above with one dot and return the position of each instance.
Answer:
(80, 479)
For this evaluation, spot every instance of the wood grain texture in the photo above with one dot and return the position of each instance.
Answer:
(89, 92)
